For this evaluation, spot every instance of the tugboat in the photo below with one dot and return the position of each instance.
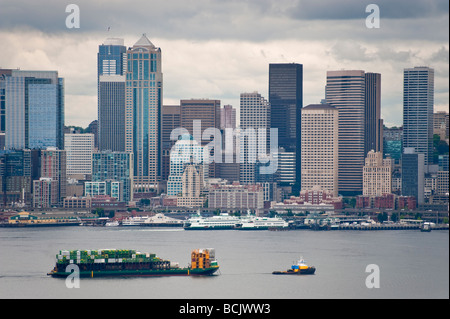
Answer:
(301, 268)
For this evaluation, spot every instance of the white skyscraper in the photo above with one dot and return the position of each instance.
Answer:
(254, 134)
(79, 149)
(320, 125)
(418, 103)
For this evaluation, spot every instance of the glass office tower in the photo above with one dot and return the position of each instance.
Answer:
(34, 102)
(111, 64)
(143, 102)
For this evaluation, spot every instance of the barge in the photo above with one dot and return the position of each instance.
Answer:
(124, 263)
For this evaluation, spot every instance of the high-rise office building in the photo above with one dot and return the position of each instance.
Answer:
(3, 74)
(377, 175)
(413, 174)
(254, 134)
(114, 166)
(171, 119)
(53, 163)
(320, 127)
(143, 103)
(186, 151)
(286, 102)
(418, 103)
(206, 112)
(79, 148)
(392, 143)
(227, 117)
(373, 133)
(345, 90)
(112, 67)
(34, 115)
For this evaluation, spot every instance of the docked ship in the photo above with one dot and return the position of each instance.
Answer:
(262, 223)
(161, 220)
(222, 221)
(158, 220)
(124, 263)
(134, 220)
(299, 268)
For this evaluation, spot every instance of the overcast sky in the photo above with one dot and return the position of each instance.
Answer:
(218, 49)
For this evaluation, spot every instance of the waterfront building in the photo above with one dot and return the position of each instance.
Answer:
(320, 147)
(418, 104)
(112, 188)
(286, 101)
(345, 90)
(236, 197)
(143, 103)
(79, 149)
(34, 109)
(377, 175)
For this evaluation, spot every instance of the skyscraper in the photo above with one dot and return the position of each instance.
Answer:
(377, 175)
(254, 135)
(114, 166)
(373, 133)
(418, 103)
(345, 90)
(227, 117)
(186, 151)
(143, 102)
(207, 113)
(79, 149)
(286, 102)
(320, 126)
(34, 102)
(171, 119)
(413, 174)
(111, 64)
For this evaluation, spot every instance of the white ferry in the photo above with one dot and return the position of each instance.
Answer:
(222, 221)
(262, 223)
(134, 221)
(161, 220)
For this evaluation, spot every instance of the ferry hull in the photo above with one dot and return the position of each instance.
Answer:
(140, 273)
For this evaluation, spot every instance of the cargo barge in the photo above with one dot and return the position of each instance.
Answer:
(130, 263)
(300, 268)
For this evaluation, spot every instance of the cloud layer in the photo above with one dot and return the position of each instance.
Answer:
(216, 49)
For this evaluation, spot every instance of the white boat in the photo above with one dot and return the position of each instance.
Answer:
(262, 223)
(134, 221)
(113, 223)
(222, 221)
(161, 220)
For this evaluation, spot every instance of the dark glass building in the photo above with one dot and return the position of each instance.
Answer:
(286, 102)
(111, 64)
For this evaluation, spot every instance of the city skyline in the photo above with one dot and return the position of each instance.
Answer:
(217, 70)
